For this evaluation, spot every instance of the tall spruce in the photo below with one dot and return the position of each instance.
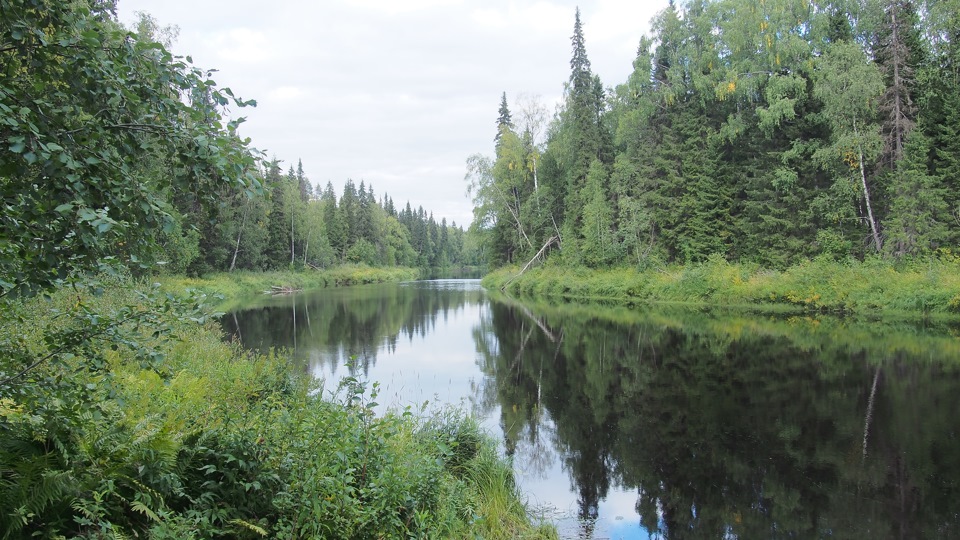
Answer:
(504, 120)
(898, 53)
(584, 140)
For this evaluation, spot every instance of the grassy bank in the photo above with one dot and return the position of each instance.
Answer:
(153, 427)
(238, 284)
(872, 286)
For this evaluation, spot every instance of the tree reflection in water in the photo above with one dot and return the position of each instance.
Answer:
(735, 426)
(723, 425)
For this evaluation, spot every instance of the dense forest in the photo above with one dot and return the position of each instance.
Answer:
(765, 132)
(297, 226)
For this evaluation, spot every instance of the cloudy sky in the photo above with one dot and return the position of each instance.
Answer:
(396, 93)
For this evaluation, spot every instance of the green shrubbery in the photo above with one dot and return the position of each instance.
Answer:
(178, 434)
(820, 285)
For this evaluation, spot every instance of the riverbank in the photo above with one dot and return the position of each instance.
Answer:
(872, 286)
(153, 426)
(243, 283)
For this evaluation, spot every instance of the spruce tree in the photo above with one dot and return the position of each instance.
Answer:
(898, 54)
(919, 214)
(504, 121)
(306, 190)
(584, 140)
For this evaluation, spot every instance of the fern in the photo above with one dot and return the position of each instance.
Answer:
(247, 525)
(31, 482)
(139, 506)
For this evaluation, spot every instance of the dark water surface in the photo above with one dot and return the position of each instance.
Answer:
(663, 423)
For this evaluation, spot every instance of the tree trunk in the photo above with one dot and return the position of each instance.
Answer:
(866, 193)
(535, 257)
(236, 249)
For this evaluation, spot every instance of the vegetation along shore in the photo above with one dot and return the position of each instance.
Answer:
(871, 287)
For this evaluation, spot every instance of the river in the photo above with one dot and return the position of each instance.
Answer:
(661, 422)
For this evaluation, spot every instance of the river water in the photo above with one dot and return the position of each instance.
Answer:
(661, 422)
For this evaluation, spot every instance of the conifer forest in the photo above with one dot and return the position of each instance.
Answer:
(764, 132)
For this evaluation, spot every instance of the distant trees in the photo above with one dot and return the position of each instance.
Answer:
(297, 225)
(766, 132)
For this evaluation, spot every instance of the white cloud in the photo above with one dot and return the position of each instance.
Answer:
(242, 45)
(393, 7)
(540, 17)
(287, 93)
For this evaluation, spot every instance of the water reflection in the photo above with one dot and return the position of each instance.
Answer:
(326, 328)
(667, 424)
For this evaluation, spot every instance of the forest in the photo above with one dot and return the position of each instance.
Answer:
(297, 227)
(766, 132)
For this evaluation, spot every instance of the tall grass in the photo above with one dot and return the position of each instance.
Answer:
(875, 285)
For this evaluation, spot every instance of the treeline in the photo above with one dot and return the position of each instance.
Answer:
(295, 225)
(765, 132)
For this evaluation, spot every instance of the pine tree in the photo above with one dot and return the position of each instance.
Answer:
(334, 222)
(306, 190)
(349, 209)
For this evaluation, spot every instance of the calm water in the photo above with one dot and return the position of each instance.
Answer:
(632, 423)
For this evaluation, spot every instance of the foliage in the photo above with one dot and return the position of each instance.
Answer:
(239, 284)
(79, 96)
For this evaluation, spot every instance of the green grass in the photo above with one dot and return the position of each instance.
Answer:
(243, 283)
(210, 441)
(873, 286)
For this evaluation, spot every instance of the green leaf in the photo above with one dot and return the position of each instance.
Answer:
(64, 208)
